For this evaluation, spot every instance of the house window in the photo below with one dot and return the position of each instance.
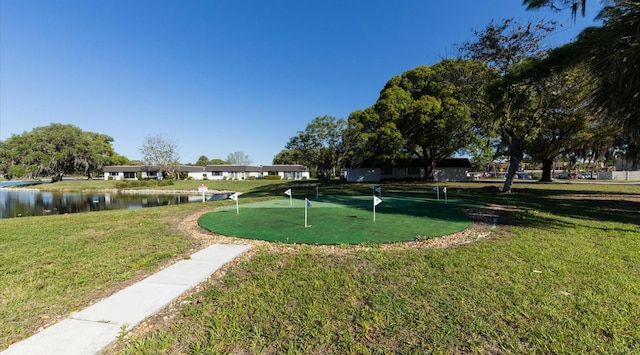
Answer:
(216, 173)
(413, 171)
(113, 173)
(273, 173)
(129, 175)
(386, 171)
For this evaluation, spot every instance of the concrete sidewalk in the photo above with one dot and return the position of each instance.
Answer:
(94, 328)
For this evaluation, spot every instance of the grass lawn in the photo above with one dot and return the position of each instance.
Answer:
(340, 220)
(51, 266)
(561, 275)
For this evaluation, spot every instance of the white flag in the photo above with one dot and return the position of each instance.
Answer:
(234, 196)
(444, 189)
(308, 203)
(288, 192)
(376, 201)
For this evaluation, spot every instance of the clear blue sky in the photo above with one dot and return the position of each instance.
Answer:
(218, 76)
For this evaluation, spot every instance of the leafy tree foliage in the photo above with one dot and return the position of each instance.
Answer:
(238, 158)
(55, 150)
(323, 145)
(426, 113)
(507, 47)
(218, 161)
(202, 161)
(612, 53)
(160, 152)
(565, 123)
(287, 156)
(558, 5)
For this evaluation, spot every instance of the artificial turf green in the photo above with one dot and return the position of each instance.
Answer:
(340, 220)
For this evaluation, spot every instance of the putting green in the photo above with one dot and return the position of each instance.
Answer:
(339, 219)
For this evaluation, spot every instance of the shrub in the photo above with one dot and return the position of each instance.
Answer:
(251, 178)
(273, 177)
(165, 182)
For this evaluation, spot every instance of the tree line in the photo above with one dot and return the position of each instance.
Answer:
(505, 95)
(59, 150)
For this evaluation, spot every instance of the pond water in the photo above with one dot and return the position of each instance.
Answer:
(24, 203)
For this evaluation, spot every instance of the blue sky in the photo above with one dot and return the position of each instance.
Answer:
(217, 76)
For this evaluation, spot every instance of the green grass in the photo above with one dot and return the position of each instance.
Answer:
(53, 265)
(340, 220)
(562, 277)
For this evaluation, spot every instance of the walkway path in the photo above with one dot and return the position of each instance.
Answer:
(96, 327)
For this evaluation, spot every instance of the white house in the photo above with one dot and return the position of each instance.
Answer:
(130, 172)
(454, 169)
(209, 172)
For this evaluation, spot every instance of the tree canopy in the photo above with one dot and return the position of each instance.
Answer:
(160, 152)
(238, 158)
(55, 150)
(426, 113)
(323, 145)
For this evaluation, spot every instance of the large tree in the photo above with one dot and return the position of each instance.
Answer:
(287, 156)
(55, 150)
(427, 113)
(564, 119)
(162, 153)
(508, 46)
(323, 145)
(612, 52)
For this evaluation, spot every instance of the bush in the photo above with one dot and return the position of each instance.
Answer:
(165, 182)
(273, 177)
(251, 178)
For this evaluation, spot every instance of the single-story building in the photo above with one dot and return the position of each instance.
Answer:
(453, 169)
(209, 172)
(130, 172)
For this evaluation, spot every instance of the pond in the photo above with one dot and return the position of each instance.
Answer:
(24, 203)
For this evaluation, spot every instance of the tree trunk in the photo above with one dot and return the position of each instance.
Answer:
(429, 169)
(547, 166)
(515, 156)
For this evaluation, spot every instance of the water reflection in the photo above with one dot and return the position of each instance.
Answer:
(17, 203)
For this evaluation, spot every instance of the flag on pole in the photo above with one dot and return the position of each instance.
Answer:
(234, 196)
(376, 201)
(444, 189)
(288, 193)
(437, 190)
(379, 190)
(308, 203)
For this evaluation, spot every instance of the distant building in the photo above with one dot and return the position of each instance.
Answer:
(453, 169)
(209, 172)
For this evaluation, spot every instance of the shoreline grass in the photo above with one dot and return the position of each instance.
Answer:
(51, 266)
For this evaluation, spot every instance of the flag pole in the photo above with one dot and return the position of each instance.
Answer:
(305, 211)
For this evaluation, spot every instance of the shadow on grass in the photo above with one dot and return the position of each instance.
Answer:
(618, 207)
(588, 202)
